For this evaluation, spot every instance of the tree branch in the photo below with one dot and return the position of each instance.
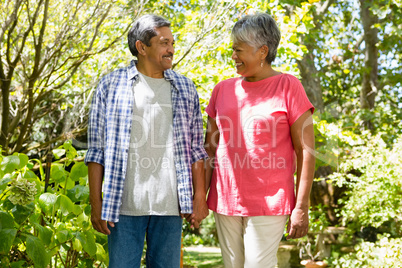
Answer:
(35, 74)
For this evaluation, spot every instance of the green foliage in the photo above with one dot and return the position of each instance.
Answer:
(371, 208)
(41, 227)
(206, 235)
(385, 253)
(372, 175)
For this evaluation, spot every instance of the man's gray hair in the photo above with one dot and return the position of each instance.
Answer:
(143, 30)
(258, 30)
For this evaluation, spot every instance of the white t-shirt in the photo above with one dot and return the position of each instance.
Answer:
(150, 186)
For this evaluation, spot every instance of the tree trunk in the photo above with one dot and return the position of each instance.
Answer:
(5, 91)
(311, 81)
(370, 71)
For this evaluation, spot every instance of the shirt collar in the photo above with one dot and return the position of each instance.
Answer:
(168, 74)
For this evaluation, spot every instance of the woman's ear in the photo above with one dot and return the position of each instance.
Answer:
(264, 51)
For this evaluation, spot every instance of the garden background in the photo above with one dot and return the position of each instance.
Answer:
(347, 53)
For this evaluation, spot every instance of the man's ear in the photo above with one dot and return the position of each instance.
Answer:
(140, 47)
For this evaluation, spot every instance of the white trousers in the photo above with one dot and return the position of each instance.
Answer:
(250, 242)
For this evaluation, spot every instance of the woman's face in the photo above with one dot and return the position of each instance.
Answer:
(247, 59)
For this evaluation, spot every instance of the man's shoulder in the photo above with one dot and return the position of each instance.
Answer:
(179, 78)
(117, 73)
(115, 78)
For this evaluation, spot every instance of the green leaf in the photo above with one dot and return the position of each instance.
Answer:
(44, 233)
(65, 204)
(4, 183)
(57, 173)
(21, 213)
(79, 170)
(23, 160)
(37, 252)
(7, 239)
(68, 184)
(47, 201)
(28, 174)
(14, 162)
(101, 254)
(10, 163)
(17, 264)
(71, 151)
(77, 244)
(87, 240)
(77, 210)
(62, 236)
(6, 220)
(79, 193)
(58, 153)
(83, 221)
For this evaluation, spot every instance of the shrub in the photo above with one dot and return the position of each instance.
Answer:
(385, 253)
(47, 227)
(372, 175)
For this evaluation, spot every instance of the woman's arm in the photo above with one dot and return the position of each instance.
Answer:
(302, 132)
(210, 145)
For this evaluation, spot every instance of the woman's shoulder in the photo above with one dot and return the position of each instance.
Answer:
(225, 85)
(228, 82)
(290, 78)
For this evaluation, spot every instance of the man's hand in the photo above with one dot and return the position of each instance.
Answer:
(200, 208)
(298, 223)
(200, 212)
(97, 222)
(95, 177)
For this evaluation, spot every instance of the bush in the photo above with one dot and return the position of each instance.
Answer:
(372, 207)
(47, 227)
(372, 175)
(385, 253)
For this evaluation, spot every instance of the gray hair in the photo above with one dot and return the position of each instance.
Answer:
(143, 30)
(258, 30)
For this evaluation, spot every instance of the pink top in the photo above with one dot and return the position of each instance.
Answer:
(255, 159)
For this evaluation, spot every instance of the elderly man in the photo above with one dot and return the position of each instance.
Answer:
(146, 146)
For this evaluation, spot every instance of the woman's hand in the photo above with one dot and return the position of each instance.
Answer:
(298, 223)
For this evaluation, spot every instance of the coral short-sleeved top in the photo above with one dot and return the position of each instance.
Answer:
(255, 159)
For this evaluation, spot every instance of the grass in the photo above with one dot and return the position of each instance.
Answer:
(202, 258)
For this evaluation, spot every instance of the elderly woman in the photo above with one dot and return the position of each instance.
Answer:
(259, 133)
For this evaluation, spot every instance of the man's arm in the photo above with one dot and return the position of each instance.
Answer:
(95, 178)
(200, 208)
(302, 132)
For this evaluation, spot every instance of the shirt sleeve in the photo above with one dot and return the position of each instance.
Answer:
(297, 101)
(211, 109)
(197, 143)
(96, 125)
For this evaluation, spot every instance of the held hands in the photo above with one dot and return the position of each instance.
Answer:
(200, 212)
(298, 223)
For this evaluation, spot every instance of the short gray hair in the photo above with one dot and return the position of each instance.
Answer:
(143, 29)
(258, 30)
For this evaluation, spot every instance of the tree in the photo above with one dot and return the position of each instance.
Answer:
(43, 45)
(51, 62)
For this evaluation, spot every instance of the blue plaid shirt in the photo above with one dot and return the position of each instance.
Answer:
(109, 130)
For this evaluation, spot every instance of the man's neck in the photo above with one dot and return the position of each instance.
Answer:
(147, 70)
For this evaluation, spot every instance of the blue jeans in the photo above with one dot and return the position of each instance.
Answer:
(163, 237)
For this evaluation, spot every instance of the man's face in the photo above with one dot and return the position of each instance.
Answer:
(160, 54)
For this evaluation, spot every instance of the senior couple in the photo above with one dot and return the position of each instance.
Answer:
(150, 167)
